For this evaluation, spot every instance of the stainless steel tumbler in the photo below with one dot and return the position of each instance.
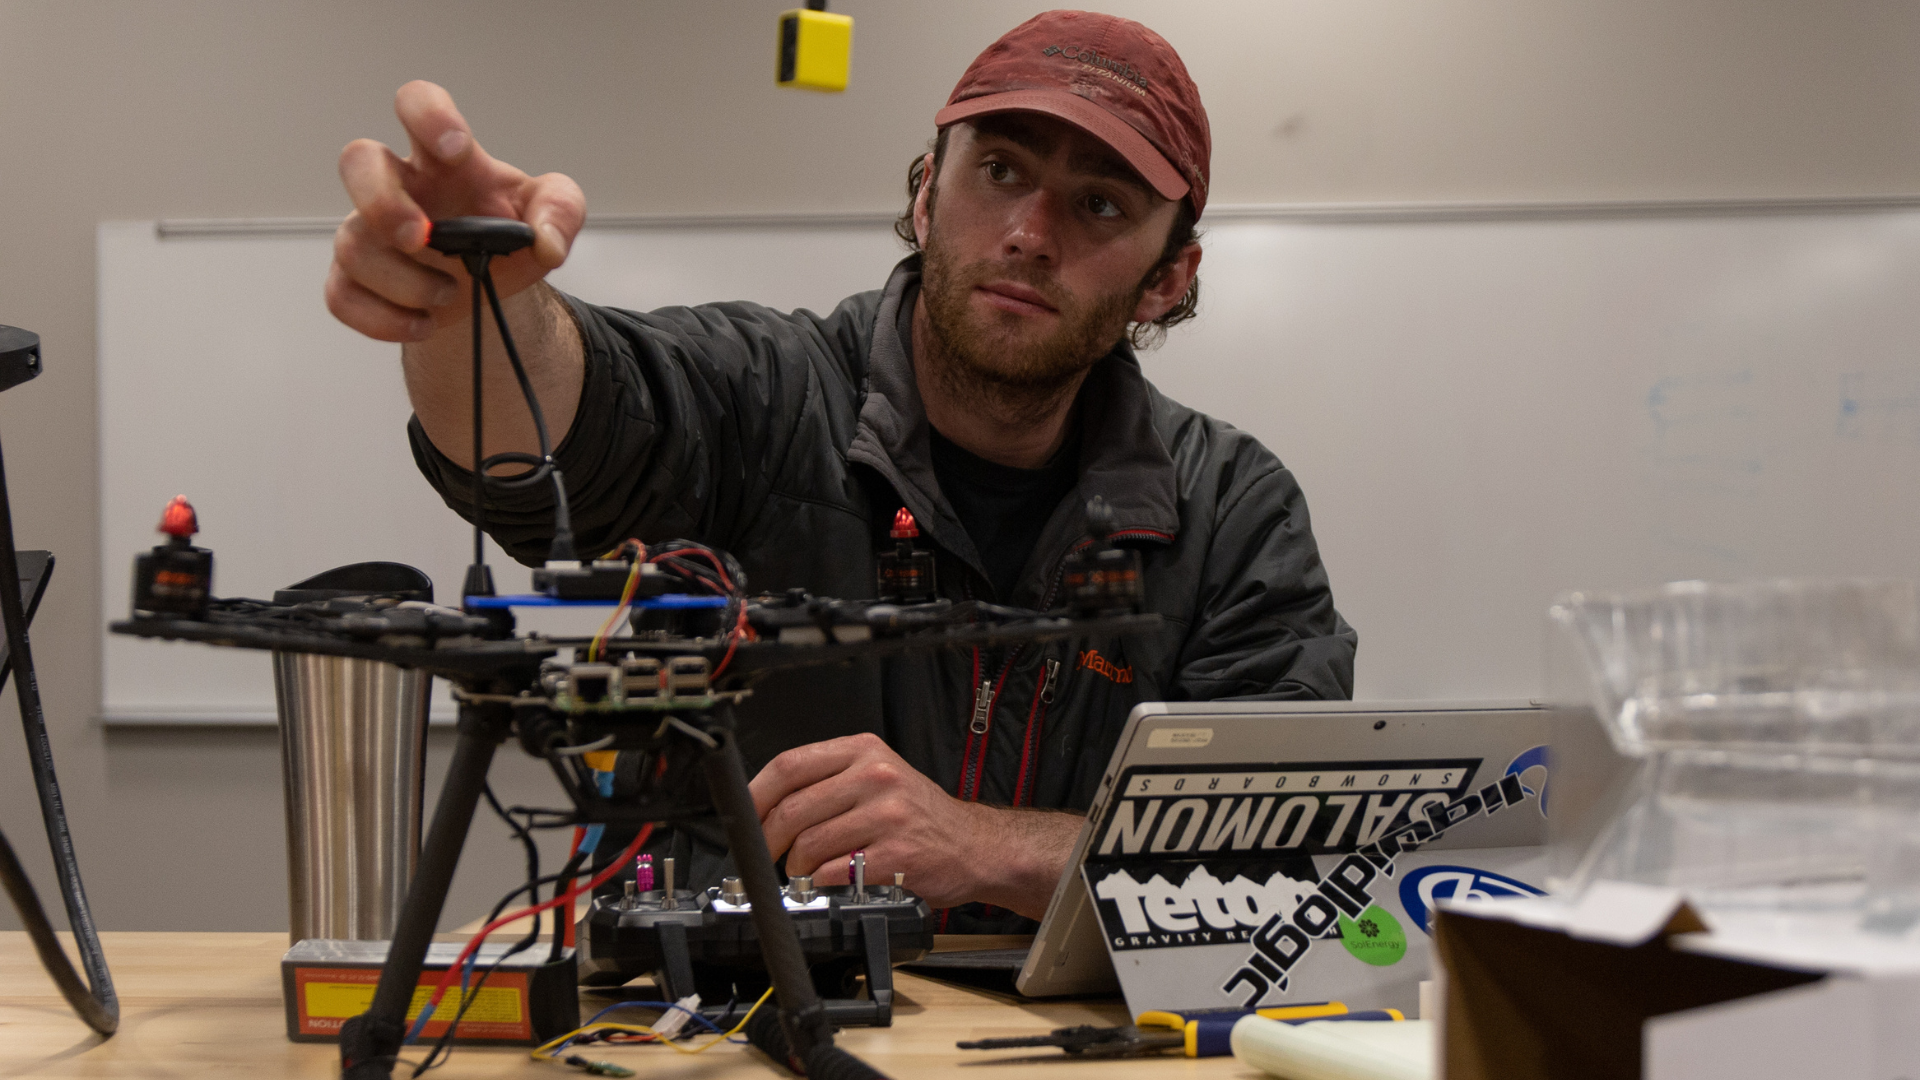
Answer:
(353, 742)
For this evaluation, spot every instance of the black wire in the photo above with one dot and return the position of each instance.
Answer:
(443, 1048)
(544, 466)
(479, 447)
(100, 1008)
(102, 1016)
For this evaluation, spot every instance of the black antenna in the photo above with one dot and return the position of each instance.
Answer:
(475, 241)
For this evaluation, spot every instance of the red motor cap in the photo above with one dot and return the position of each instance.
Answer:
(179, 519)
(903, 526)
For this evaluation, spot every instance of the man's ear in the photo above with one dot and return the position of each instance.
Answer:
(922, 216)
(1163, 294)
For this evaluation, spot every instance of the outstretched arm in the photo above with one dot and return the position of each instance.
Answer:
(386, 283)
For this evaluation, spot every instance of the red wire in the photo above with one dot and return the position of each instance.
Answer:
(710, 557)
(453, 969)
(733, 641)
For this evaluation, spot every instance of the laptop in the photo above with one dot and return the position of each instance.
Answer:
(1258, 853)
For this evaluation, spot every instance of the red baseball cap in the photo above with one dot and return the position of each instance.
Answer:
(1111, 77)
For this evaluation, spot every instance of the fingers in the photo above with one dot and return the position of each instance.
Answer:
(381, 268)
(556, 208)
(376, 182)
(808, 764)
(434, 124)
(381, 319)
(808, 808)
(828, 846)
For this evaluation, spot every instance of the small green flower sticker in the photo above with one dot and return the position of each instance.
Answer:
(1375, 937)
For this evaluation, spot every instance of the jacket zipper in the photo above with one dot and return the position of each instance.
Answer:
(982, 707)
(980, 723)
(1036, 718)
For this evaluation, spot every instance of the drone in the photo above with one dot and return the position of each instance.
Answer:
(661, 696)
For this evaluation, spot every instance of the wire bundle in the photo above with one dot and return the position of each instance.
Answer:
(594, 1031)
(702, 569)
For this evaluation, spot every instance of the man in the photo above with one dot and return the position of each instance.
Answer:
(989, 389)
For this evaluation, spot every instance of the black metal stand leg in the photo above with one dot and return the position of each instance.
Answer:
(370, 1042)
(801, 1014)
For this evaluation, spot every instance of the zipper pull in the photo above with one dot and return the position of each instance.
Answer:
(982, 707)
(1050, 682)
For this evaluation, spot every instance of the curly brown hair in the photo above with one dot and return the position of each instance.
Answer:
(1145, 335)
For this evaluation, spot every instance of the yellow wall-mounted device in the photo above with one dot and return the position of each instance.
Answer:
(815, 48)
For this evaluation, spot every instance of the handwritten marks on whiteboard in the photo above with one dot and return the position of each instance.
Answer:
(1708, 460)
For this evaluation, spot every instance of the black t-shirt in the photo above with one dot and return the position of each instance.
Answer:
(1004, 509)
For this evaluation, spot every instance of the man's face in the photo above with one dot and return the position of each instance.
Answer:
(1038, 241)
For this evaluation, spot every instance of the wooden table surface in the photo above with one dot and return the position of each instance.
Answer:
(208, 1005)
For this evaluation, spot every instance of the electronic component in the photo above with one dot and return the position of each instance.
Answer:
(174, 578)
(641, 679)
(677, 616)
(1100, 579)
(906, 572)
(635, 682)
(705, 943)
(686, 676)
(601, 579)
(463, 236)
(591, 684)
(526, 1001)
(816, 47)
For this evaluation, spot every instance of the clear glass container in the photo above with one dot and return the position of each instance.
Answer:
(1779, 727)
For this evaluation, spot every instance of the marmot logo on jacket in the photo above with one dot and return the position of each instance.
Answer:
(1092, 660)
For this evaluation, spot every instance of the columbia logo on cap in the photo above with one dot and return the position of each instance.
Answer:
(1091, 58)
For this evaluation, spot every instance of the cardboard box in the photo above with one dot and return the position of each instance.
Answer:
(1628, 983)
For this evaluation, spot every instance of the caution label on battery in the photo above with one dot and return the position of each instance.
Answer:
(327, 997)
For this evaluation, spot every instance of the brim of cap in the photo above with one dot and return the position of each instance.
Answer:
(1149, 162)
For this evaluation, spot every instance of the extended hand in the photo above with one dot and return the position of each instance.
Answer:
(384, 282)
(819, 803)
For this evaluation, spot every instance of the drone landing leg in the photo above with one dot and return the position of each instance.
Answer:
(370, 1042)
(801, 1013)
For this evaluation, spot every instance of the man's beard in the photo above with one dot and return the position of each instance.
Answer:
(979, 358)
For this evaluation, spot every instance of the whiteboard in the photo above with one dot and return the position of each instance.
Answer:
(1483, 411)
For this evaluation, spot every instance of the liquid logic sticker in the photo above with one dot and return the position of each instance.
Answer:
(1199, 858)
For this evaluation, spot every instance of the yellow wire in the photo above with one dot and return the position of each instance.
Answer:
(626, 598)
(545, 1051)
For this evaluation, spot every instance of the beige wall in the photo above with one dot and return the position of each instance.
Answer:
(230, 108)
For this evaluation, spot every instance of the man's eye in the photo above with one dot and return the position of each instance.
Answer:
(1101, 206)
(999, 172)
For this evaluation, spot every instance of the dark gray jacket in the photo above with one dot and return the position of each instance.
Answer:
(791, 440)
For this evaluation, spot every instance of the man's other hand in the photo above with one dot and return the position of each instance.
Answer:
(821, 802)
(385, 282)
